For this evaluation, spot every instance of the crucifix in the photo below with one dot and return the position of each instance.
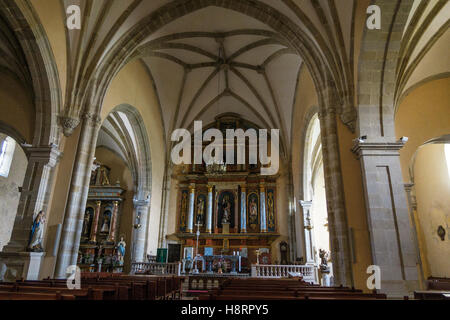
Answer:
(197, 256)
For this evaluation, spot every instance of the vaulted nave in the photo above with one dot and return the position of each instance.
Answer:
(223, 147)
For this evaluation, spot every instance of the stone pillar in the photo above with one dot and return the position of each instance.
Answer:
(337, 217)
(34, 198)
(78, 194)
(262, 196)
(209, 214)
(95, 222)
(112, 230)
(390, 229)
(190, 226)
(243, 209)
(309, 235)
(140, 230)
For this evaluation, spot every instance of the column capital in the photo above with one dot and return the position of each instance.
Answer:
(69, 124)
(141, 203)
(48, 155)
(92, 119)
(192, 189)
(210, 188)
(243, 189)
(305, 204)
(363, 149)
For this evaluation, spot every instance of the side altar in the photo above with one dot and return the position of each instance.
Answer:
(99, 239)
(227, 211)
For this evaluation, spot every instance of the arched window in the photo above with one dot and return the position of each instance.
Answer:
(6, 155)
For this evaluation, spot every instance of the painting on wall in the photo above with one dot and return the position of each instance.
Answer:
(271, 205)
(184, 210)
(253, 212)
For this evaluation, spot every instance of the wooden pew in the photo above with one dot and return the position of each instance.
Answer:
(34, 296)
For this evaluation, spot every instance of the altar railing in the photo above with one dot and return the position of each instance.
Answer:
(156, 268)
(309, 273)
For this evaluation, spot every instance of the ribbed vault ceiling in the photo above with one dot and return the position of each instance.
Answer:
(256, 73)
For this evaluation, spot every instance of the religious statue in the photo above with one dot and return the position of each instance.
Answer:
(324, 261)
(226, 205)
(104, 176)
(87, 222)
(121, 246)
(105, 225)
(201, 211)
(37, 232)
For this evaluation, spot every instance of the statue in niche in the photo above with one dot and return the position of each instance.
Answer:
(226, 205)
(201, 211)
(37, 232)
(87, 222)
(106, 222)
(104, 179)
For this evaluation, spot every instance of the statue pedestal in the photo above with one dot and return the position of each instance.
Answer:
(20, 265)
(226, 228)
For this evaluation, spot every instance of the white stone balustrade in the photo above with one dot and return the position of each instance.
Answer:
(156, 268)
(309, 272)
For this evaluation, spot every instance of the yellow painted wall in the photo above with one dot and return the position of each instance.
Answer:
(432, 185)
(355, 205)
(58, 200)
(17, 107)
(50, 13)
(133, 86)
(421, 116)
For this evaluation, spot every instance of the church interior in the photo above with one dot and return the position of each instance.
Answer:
(352, 97)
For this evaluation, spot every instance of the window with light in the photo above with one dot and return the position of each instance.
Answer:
(7, 148)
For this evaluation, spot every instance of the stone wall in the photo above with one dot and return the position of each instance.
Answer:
(9, 193)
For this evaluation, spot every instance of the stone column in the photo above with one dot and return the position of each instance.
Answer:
(140, 230)
(262, 195)
(337, 217)
(309, 236)
(190, 227)
(390, 229)
(95, 222)
(112, 230)
(78, 194)
(243, 209)
(34, 198)
(209, 214)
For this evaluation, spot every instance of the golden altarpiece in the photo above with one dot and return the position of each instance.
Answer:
(98, 250)
(233, 207)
